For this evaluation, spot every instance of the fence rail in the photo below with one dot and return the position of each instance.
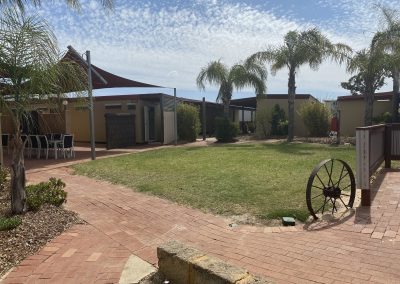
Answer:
(374, 145)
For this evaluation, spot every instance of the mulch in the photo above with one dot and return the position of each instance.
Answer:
(36, 230)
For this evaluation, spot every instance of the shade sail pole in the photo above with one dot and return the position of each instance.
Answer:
(175, 121)
(91, 114)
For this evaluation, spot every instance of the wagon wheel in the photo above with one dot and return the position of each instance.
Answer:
(331, 186)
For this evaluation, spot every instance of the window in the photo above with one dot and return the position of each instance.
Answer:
(131, 106)
(113, 106)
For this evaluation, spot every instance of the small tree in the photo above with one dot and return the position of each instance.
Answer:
(370, 66)
(278, 121)
(188, 122)
(225, 130)
(30, 71)
(300, 48)
(316, 118)
(263, 125)
(250, 73)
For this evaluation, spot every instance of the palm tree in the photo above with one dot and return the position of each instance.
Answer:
(250, 73)
(76, 4)
(299, 48)
(370, 67)
(388, 40)
(30, 70)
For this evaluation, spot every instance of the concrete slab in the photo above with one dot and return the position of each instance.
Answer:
(135, 270)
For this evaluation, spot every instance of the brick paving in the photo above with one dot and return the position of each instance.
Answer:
(361, 247)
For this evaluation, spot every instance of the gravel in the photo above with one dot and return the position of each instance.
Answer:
(36, 230)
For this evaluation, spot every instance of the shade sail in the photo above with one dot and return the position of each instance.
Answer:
(113, 81)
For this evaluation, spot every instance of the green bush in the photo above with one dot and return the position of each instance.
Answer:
(4, 172)
(50, 192)
(316, 118)
(225, 130)
(263, 118)
(9, 223)
(188, 122)
(385, 117)
(279, 124)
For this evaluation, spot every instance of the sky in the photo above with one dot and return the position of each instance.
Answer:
(166, 43)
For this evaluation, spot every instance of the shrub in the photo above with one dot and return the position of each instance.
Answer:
(250, 127)
(316, 118)
(385, 117)
(278, 121)
(50, 192)
(263, 118)
(188, 122)
(9, 223)
(225, 130)
(4, 172)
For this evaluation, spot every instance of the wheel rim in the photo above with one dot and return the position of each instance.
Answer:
(331, 187)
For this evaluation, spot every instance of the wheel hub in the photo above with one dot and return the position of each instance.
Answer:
(332, 192)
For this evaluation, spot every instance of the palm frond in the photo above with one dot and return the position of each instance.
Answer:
(30, 63)
(215, 73)
(241, 76)
(75, 4)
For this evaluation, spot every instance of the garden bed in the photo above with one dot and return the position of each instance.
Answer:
(36, 229)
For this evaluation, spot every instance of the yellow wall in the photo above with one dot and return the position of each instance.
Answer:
(268, 103)
(352, 114)
(78, 119)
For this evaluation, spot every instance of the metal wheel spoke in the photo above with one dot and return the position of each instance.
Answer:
(320, 180)
(343, 203)
(317, 187)
(340, 177)
(323, 206)
(317, 196)
(338, 183)
(334, 205)
(346, 187)
(329, 175)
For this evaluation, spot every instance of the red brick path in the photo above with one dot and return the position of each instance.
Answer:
(362, 247)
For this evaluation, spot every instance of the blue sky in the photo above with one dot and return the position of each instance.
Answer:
(167, 42)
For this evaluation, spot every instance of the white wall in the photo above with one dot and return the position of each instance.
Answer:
(169, 130)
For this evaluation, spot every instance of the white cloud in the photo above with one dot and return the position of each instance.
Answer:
(168, 45)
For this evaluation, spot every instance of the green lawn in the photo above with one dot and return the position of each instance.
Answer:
(265, 180)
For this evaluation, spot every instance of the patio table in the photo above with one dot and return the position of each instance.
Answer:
(55, 143)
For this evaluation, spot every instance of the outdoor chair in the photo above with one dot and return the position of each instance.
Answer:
(57, 136)
(44, 146)
(49, 136)
(5, 141)
(67, 146)
(34, 146)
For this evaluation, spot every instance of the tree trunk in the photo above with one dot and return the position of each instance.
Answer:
(291, 98)
(18, 197)
(369, 104)
(226, 109)
(396, 99)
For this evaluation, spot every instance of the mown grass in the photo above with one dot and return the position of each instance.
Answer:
(265, 180)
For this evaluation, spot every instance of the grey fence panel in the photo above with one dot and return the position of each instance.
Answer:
(120, 130)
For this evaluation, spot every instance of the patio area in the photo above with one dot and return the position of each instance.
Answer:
(363, 246)
(82, 154)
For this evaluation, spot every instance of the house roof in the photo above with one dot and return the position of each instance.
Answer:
(252, 101)
(378, 96)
